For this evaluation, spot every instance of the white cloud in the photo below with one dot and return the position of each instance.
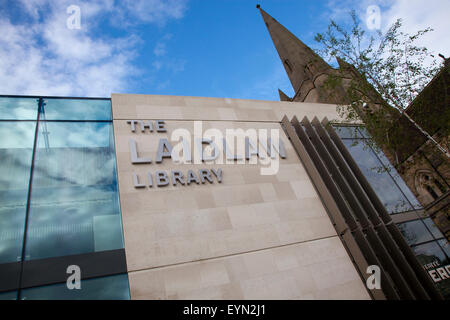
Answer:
(158, 11)
(160, 49)
(173, 65)
(43, 57)
(416, 15)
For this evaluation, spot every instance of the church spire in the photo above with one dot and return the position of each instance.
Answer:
(283, 96)
(302, 64)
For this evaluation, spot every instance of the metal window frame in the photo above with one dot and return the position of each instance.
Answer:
(52, 97)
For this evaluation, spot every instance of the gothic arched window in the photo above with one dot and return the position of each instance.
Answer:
(428, 184)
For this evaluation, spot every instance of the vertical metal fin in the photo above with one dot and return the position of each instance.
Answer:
(361, 220)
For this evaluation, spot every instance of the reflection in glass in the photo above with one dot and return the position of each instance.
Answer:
(16, 151)
(10, 295)
(401, 184)
(74, 206)
(76, 109)
(105, 288)
(429, 252)
(433, 228)
(397, 197)
(414, 232)
(363, 131)
(18, 108)
(348, 132)
(379, 179)
(445, 245)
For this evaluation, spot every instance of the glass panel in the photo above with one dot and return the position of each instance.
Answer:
(74, 205)
(401, 184)
(347, 132)
(18, 108)
(379, 179)
(76, 109)
(435, 262)
(430, 252)
(16, 151)
(105, 288)
(433, 228)
(445, 246)
(415, 232)
(364, 132)
(10, 295)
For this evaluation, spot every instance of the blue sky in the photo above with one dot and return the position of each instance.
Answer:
(211, 48)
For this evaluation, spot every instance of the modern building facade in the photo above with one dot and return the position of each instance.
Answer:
(78, 189)
(170, 197)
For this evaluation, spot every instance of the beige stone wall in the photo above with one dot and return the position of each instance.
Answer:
(132, 106)
(249, 237)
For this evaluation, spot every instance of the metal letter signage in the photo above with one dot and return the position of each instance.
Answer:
(165, 150)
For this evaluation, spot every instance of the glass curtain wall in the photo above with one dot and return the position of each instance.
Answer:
(384, 179)
(72, 206)
(17, 132)
(432, 250)
(425, 239)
